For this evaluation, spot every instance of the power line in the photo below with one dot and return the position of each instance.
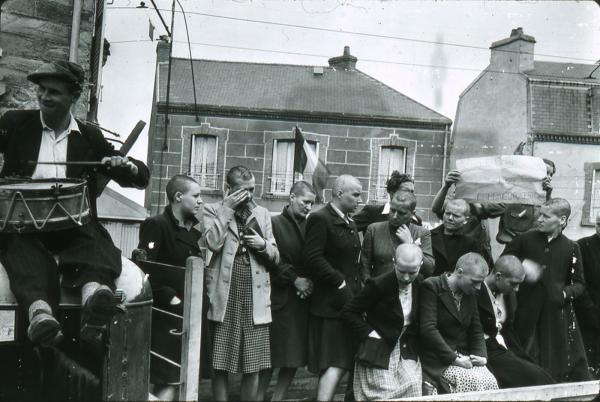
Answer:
(328, 56)
(366, 34)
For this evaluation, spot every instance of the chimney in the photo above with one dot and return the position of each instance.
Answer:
(345, 62)
(162, 51)
(513, 54)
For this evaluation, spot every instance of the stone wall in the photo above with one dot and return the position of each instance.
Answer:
(346, 149)
(33, 32)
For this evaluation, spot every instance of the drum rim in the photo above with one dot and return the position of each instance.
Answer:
(79, 185)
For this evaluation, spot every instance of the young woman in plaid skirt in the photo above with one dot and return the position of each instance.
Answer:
(239, 235)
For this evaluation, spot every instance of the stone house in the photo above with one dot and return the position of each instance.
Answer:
(551, 107)
(245, 114)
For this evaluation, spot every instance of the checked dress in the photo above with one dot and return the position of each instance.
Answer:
(239, 345)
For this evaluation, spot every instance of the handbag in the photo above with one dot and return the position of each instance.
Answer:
(374, 352)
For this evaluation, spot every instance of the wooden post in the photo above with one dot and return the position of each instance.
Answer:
(192, 329)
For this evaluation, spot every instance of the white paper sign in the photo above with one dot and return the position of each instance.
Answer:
(510, 179)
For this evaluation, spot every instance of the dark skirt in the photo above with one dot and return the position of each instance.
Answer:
(330, 344)
(513, 371)
(289, 333)
(239, 346)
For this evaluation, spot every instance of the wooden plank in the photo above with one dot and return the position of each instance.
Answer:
(585, 390)
(192, 328)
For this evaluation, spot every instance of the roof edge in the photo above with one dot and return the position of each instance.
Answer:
(279, 114)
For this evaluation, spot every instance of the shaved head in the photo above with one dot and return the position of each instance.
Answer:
(472, 264)
(470, 272)
(509, 265)
(507, 275)
(407, 263)
(346, 193)
(345, 182)
(409, 254)
(460, 203)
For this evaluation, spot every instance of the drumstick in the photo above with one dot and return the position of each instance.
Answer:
(86, 163)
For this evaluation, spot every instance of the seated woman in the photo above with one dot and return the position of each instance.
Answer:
(454, 355)
(382, 238)
(387, 365)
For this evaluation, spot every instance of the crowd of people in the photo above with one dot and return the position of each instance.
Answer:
(374, 296)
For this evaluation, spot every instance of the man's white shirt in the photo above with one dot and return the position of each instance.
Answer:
(53, 148)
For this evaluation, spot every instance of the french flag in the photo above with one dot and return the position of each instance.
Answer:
(305, 159)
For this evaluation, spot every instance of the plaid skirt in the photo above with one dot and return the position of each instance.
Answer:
(239, 346)
(402, 379)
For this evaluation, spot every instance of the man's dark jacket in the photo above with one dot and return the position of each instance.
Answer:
(20, 140)
(331, 251)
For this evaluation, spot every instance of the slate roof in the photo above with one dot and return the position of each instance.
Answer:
(573, 72)
(283, 87)
(114, 206)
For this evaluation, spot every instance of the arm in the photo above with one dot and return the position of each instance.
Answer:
(216, 221)
(476, 340)
(314, 252)
(513, 248)
(437, 207)
(366, 262)
(428, 261)
(354, 309)
(576, 289)
(270, 252)
(487, 210)
(434, 340)
(125, 175)
(362, 219)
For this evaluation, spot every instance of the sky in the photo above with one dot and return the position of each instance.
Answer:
(427, 50)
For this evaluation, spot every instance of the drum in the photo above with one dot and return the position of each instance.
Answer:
(43, 205)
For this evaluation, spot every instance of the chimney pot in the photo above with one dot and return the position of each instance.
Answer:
(346, 61)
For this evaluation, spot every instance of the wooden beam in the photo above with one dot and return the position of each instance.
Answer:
(192, 328)
(585, 390)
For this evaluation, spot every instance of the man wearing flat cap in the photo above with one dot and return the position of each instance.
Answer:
(86, 254)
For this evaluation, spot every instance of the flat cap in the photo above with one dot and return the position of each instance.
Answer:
(63, 70)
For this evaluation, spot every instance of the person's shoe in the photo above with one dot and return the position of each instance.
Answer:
(44, 329)
(97, 312)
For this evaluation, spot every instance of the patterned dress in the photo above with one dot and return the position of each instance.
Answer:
(239, 346)
(477, 378)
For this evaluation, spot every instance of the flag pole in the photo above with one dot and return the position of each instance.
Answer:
(294, 162)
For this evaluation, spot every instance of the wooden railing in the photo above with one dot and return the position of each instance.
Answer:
(176, 354)
(574, 391)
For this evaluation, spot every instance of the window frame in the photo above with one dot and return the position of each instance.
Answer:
(591, 170)
(295, 176)
(379, 185)
(216, 155)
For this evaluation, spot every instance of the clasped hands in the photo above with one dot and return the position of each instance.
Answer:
(304, 287)
(470, 361)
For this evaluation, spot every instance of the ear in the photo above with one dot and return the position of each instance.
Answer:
(178, 195)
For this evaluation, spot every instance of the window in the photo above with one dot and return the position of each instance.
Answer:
(595, 195)
(390, 158)
(203, 166)
(282, 172)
